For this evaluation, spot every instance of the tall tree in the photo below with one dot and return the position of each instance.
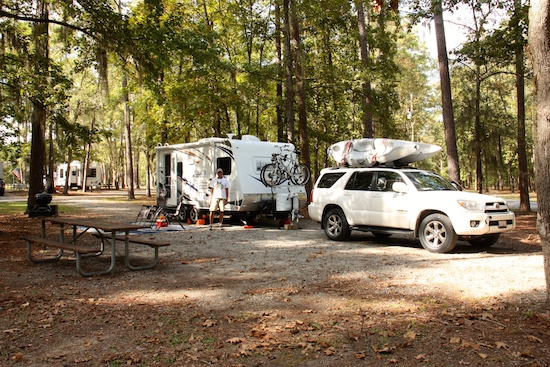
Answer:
(366, 103)
(539, 41)
(289, 71)
(300, 87)
(446, 95)
(518, 27)
(41, 63)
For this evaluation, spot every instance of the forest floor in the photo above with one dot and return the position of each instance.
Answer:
(266, 296)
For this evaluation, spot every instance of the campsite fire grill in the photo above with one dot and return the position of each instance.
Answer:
(43, 199)
(42, 205)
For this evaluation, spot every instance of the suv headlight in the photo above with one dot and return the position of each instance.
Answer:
(474, 206)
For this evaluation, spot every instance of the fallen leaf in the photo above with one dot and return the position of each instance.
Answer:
(487, 316)
(330, 351)
(501, 345)
(235, 340)
(534, 339)
(483, 355)
(208, 323)
(393, 360)
(420, 357)
(384, 350)
(359, 355)
(455, 340)
(410, 335)
(467, 344)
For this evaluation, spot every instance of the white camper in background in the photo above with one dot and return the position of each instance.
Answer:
(184, 172)
(93, 178)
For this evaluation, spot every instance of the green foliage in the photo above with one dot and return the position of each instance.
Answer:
(203, 69)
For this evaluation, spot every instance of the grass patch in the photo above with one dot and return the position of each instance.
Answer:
(18, 207)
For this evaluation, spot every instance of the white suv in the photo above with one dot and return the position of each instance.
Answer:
(385, 201)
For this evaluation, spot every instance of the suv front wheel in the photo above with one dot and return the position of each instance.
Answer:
(437, 234)
(336, 226)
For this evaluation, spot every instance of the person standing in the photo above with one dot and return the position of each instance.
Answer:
(219, 194)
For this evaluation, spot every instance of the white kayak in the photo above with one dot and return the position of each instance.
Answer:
(368, 152)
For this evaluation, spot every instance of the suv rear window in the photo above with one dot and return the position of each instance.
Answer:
(329, 179)
(360, 180)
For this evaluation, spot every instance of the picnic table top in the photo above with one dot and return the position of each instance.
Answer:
(102, 224)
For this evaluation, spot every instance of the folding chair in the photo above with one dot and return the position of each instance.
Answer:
(148, 214)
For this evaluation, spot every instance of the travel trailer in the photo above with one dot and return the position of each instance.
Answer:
(184, 172)
(93, 178)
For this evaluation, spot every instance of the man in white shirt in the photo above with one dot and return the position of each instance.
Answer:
(219, 194)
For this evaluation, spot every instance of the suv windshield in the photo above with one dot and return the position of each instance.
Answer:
(428, 181)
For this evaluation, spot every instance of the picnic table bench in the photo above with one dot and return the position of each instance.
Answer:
(77, 249)
(139, 241)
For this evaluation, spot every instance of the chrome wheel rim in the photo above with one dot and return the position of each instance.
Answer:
(435, 234)
(334, 225)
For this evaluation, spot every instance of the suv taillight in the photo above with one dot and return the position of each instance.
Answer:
(311, 196)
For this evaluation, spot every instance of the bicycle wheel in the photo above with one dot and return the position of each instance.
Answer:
(270, 175)
(300, 175)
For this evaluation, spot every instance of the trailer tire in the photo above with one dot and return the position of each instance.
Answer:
(194, 215)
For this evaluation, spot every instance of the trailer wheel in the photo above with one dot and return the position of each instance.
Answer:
(194, 215)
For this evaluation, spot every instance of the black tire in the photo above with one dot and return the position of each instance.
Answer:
(270, 175)
(194, 215)
(336, 225)
(437, 233)
(484, 241)
(300, 175)
(182, 216)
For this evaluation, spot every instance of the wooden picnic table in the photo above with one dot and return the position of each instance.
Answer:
(107, 231)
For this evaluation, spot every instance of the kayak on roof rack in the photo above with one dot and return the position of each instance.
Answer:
(368, 152)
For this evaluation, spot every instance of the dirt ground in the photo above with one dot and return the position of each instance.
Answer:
(266, 296)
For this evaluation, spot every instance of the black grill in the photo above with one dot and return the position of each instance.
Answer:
(497, 207)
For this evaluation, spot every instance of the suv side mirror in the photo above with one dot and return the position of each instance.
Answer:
(400, 187)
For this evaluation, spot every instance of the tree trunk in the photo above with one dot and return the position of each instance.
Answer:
(539, 41)
(289, 85)
(368, 128)
(87, 156)
(50, 185)
(128, 138)
(38, 142)
(478, 134)
(301, 92)
(148, 173)
(68, 173)
(525, 205)
(446, 99)
(279, 85)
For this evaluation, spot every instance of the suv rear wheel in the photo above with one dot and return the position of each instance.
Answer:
(336, 226)
(437, 233)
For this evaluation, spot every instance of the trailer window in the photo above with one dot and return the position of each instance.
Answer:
(92, 172)
(225, 164)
